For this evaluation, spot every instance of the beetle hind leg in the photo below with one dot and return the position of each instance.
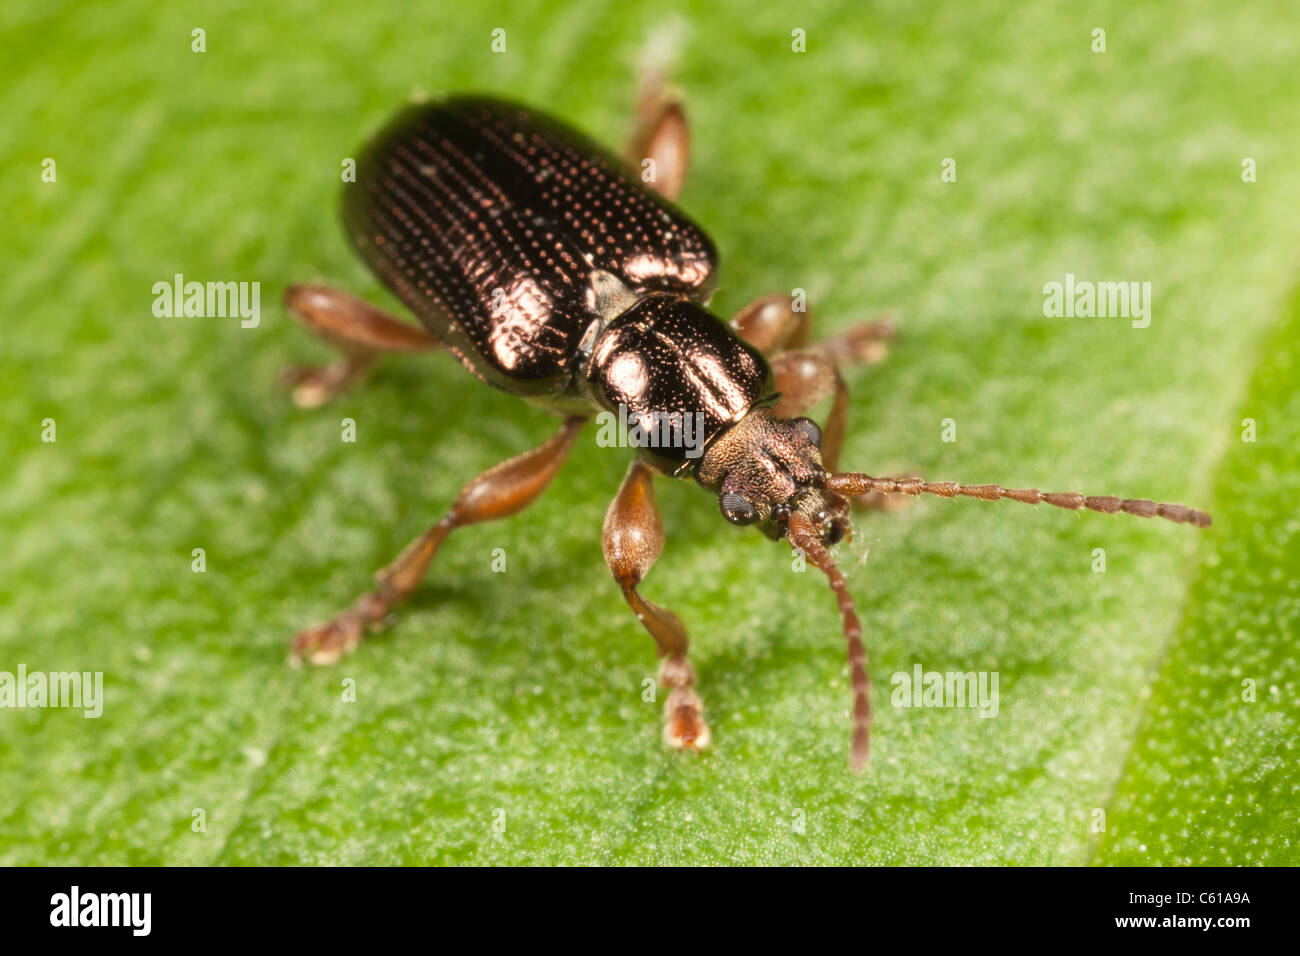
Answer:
(632, 540)
(361, 331)
(499, 492)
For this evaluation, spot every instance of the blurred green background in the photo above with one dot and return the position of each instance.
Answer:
(1121, 692)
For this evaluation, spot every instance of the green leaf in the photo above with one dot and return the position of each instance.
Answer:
(1211, 777)
(515, 698)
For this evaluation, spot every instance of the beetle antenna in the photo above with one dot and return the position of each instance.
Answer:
(852, 483)
(803, 537)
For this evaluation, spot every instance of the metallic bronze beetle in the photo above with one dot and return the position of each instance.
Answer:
(555, 272)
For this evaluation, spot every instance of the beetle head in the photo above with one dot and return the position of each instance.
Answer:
(768, 471)
(765, 469)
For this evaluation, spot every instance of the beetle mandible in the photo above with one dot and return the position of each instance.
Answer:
(551, 270)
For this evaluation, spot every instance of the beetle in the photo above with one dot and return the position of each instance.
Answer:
(553, 271)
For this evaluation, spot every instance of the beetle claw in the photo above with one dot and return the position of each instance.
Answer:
(326, 643)
(314, 385)
(685, 728)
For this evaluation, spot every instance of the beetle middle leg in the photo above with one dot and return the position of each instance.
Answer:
(361, 331)
(632, 540)
(499, 492)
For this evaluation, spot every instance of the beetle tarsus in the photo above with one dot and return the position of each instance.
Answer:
(684, 726)
(862, 344)
(327, 643)
(361, 331)
(314, 385)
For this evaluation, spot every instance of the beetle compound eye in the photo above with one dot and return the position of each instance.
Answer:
(810, 428)
(737, 509)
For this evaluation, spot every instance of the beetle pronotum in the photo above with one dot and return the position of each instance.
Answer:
(552, 271)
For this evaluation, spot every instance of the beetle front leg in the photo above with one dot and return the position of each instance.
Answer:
(632, 540)
(660, 147)
(804, 378)
(361, 331)
(499, 492)
(806, 374)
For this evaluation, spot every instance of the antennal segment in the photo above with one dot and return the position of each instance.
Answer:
(852, 483)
